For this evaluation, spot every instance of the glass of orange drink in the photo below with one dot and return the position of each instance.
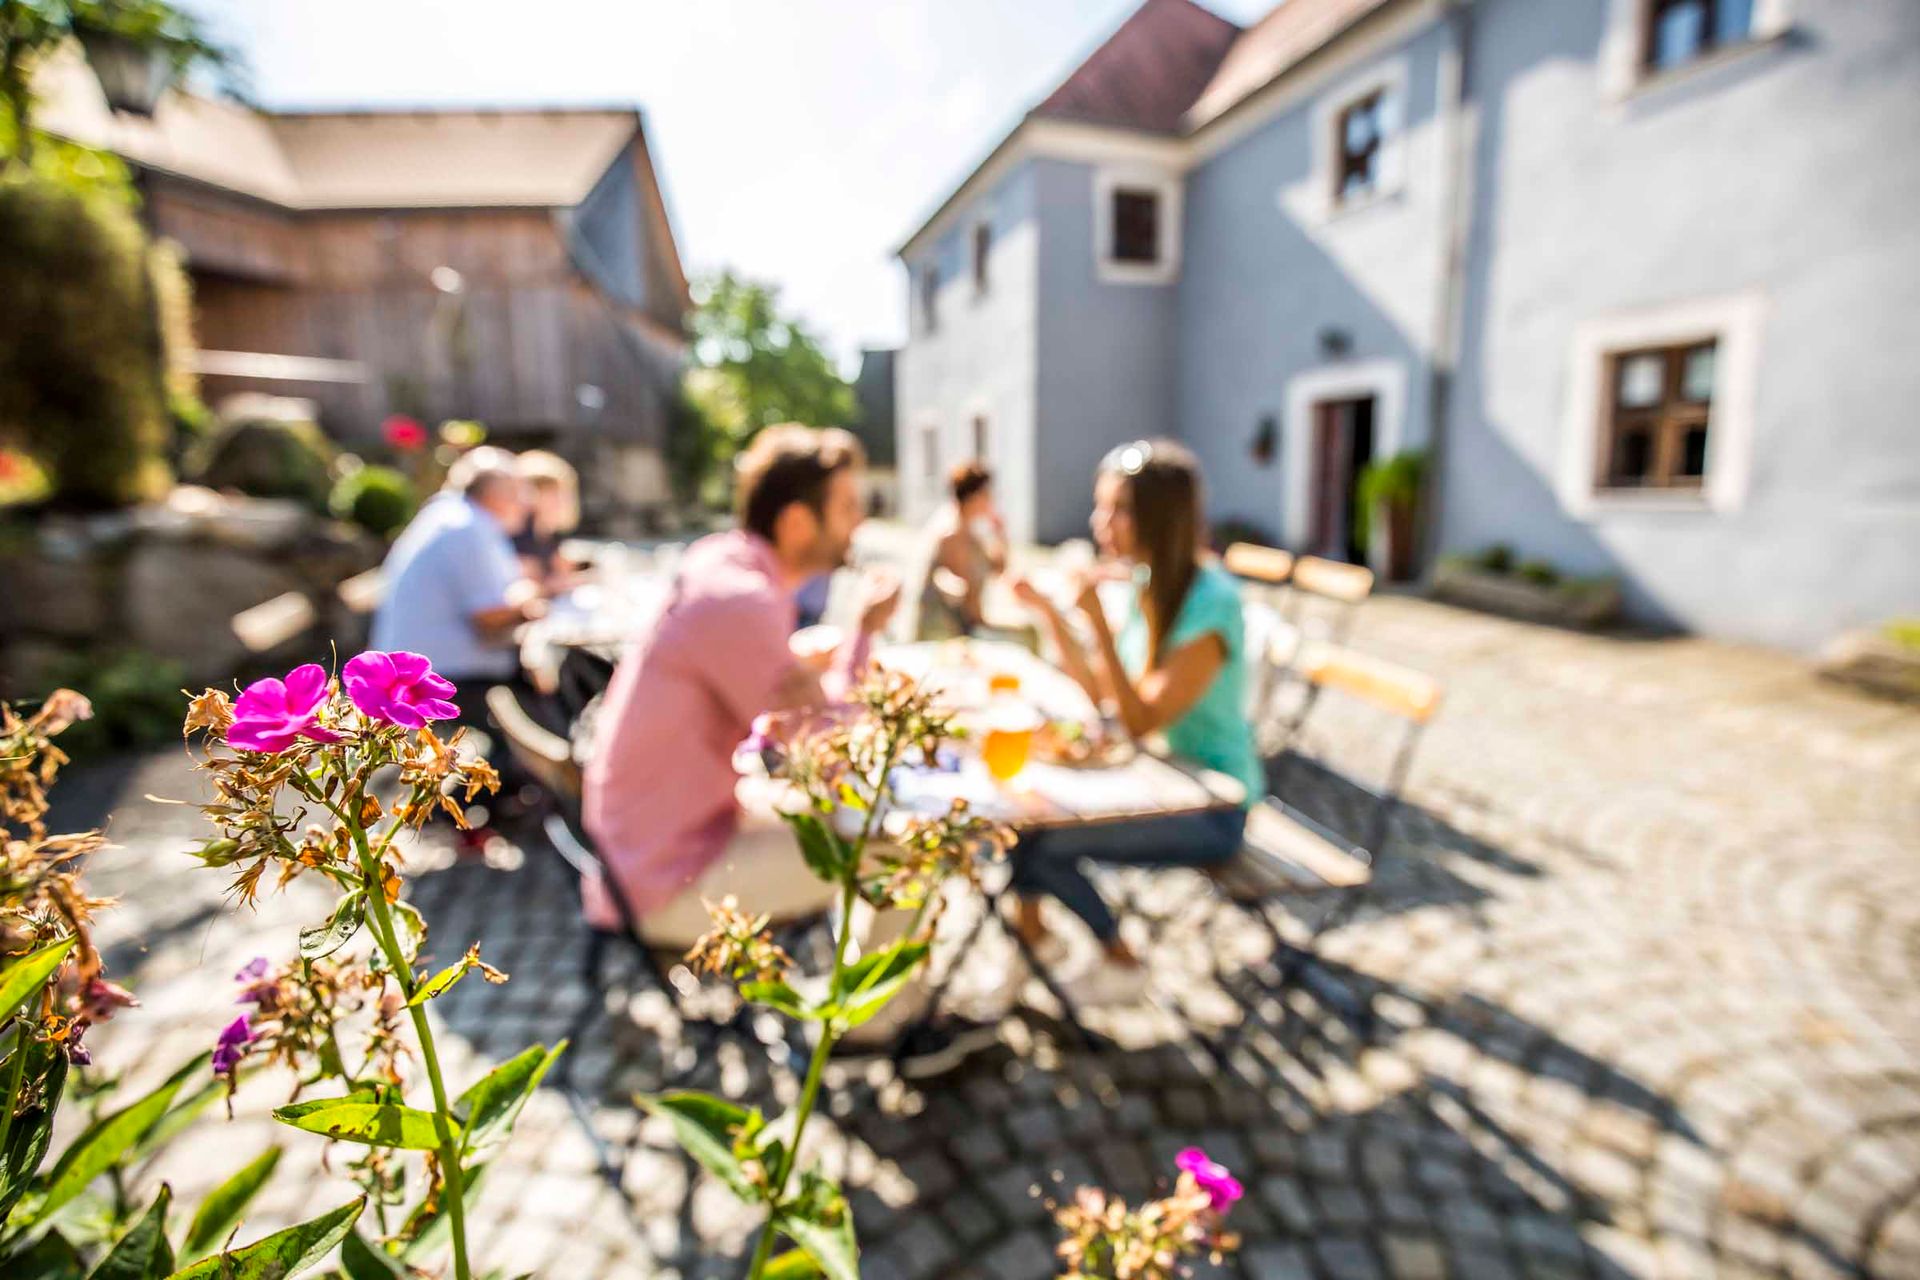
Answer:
(1007, 738)
(1003, 682)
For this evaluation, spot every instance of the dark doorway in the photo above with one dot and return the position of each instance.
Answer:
(1342, 445)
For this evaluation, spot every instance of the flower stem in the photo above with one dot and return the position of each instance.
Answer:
(450, 1171)
(810, 1091)
(19, 1061)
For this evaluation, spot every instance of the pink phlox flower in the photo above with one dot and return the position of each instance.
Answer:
(270, 714)
(231, 1046)
(99, 1000)
(399, 688)
(1221, 1186)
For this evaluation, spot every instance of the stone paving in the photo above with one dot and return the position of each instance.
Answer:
(1643, 959)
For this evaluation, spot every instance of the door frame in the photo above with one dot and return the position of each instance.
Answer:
(1384, 380)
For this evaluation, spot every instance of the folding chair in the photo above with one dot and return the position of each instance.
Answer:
(1314, 582)
(1270, 636)
(1286, 852)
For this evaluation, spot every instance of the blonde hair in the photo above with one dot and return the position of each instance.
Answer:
(549, 472)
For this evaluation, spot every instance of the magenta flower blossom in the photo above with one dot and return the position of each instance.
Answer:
(270, 714)
(232, 1046)
(253, 981)
(99, 1000)
(399, 688)
(1221, 1186)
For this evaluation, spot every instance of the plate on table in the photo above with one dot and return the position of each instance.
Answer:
(1079, 744)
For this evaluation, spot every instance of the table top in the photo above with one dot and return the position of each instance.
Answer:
(1044, 795)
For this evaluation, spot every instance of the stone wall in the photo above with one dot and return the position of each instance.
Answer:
(169, 579)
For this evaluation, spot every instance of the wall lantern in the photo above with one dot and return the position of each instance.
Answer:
(1266, 438)
(132, 76)
(1335, 343)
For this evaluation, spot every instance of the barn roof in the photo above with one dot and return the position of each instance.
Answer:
(359, 159)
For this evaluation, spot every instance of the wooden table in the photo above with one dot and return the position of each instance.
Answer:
(1041, 796)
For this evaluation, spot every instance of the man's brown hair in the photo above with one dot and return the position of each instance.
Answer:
(968, 478)
(789, 463)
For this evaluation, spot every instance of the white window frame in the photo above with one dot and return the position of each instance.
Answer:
(979, 265)
(1385, 380)
(1167, 188)
(1389, 79)
(929, 444)
(926, 298)
(1623, 49)
(1733, 323)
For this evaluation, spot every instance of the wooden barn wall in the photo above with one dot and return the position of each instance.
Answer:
(511, 350)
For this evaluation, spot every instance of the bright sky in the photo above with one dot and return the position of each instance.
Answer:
(800, 141)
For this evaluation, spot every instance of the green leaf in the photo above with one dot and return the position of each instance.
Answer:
(52, 1257)
(873, 979)
(32, 1130)
(321, 940)
(794, 1264)
(705, 1126)
(357, 1118)
(820, 1221)
(227, 1203)
(97, 1149)
(826, 854)
(143, 1253)
(282, 1254)
(410, 931)
(781, 996)
(23, 977)
(492, 1103)
(181, 1113)
(363, 1261)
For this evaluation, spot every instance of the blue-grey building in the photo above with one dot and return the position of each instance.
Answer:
(1640, 277)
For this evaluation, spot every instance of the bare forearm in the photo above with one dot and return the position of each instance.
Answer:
(1135, 716)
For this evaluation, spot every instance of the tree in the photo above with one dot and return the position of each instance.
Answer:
(753, 367)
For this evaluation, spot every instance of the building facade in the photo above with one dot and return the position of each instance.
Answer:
(514, 266)
(1616, 268)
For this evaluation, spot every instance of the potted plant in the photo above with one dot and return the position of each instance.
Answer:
(1386, 499)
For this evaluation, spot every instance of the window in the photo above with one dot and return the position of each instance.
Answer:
(929, 280)
(982, 252)
(1361, 136)
(980, 452)
(1136, 225)
(930, 455)
(1679, 31)
(1660, 402)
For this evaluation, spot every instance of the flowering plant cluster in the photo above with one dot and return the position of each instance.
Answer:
(838, 771)
(294, 763)
(1107, 1240)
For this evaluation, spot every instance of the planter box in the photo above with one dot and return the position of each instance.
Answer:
(1871, 661)
(1584, 605)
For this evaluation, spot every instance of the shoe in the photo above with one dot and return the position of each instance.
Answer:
(1107, 985)
(935, 1048)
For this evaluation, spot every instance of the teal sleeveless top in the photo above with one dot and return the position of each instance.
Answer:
(1214, 732)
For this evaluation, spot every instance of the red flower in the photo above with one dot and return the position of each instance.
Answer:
(404, 433)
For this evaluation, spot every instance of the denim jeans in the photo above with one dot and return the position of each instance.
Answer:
(1050, 861)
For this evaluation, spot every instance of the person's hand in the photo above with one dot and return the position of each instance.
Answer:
(1028, 594)
(879, 597)
(1086, 591)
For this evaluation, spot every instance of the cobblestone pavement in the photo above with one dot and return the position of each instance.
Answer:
(1643, 959)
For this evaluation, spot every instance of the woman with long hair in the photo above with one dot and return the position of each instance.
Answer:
(1176, 667)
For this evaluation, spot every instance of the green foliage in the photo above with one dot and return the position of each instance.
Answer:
(143, 1252)
(1538, 572)
(1497, 558)
(136, 700)
(1392, 483)
(489, 1107)
(364, 1119)
(379, 499)
(83, 385)
(227, 1203)
(282, 1254)
(1904, 632)
(754, 367)
(22, 978)
(268, 459)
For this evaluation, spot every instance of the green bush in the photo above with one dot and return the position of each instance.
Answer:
(83, 384)
(1497, 558)
(266, 459)
(378, 499)
(1538, 572)
(1390, 482)
(137, 700)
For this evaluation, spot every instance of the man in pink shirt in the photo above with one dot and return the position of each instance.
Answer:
(659, 800)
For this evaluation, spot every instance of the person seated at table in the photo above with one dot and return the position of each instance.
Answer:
(553, 492)
(660, 800)
(1176, 667)
(453, 588)
(967, 544)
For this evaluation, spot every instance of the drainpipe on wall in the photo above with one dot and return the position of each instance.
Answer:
(1457, 146)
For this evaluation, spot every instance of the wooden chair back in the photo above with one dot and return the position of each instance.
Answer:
(546, 756)
(1347, 583)
(1409, 694)
(1256, 563)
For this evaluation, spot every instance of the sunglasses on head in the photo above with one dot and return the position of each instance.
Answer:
(1128, 459)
